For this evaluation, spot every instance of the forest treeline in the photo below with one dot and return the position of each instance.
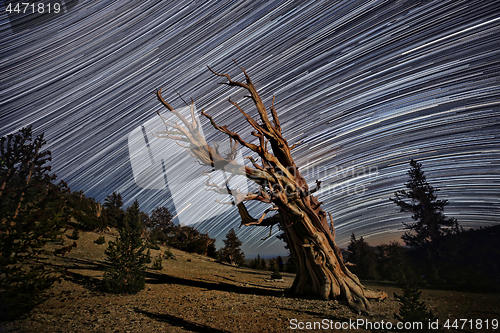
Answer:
(469, 260)
(158, 227)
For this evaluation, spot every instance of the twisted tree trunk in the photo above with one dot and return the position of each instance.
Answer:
(321, 272)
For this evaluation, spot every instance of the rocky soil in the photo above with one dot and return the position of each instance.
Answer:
(193, 293)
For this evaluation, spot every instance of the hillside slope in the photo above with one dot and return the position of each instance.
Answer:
(193, 293)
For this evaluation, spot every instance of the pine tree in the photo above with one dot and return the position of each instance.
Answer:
(231, 252)
(276, 274)
(114, 212)
(255, 263)
(126, 256)
(32, 214)
(392, 258)
(273, 264)
(427, 210)
(160, 224)
(86, 211)
(364, 258)
(290, 266)
(263, 264)
(412, 307)
(281, 265)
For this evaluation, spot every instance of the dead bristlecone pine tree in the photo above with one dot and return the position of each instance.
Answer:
(321, 272)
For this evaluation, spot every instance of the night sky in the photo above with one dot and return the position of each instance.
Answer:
(366, 85)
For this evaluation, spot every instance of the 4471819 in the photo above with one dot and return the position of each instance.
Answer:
(40, 8)
(478, 324)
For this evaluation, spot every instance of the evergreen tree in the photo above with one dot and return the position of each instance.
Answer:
(276, 274)
(427, 210)
(412, 307)
(211, 250)
(255, 263)
(126, 256)
(114, 212)
(160, 224)
(263, 264)
(273, 264)
(86, 211)
(364, 258)
(32, 214)
(392, 258)
(189, 239)
(231, 252)
(281, 265)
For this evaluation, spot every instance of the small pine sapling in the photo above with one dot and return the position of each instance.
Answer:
(276, 274)
(157, 263)
(100, 240)
(126, 256)
(412, 307)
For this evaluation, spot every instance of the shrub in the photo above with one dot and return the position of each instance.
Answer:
(157, 264)
(168, 253)
(75, 235)
(100, 240)
(276, 275)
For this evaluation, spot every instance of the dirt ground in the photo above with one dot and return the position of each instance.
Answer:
(193, 293)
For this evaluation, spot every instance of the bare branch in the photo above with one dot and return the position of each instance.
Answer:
(233, 135)
(247, 220)
(224, 203)
(275, 117)
(173, 137)
(168, 106)
(254, 162)
(318, 186)
(296, 144)
(231, 82)
(181, 97)
(250, 120)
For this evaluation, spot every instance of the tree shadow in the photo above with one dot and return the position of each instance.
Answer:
(94, 283)
(155, 278)
(179, 322)
(86, 281)
(248, 283)
(317, 314)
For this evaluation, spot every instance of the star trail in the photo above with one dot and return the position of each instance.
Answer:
(365, 85)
